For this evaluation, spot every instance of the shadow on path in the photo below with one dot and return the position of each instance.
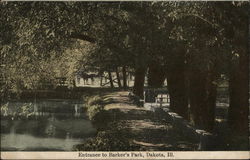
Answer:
(149, 130)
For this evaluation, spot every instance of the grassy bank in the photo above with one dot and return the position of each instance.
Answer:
(112, 138)
(109, 136)
(94, 106)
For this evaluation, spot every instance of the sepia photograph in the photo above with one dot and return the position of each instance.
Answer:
(131, 79)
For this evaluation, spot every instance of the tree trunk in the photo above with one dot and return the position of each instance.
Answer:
(238, 93)
(156, 75)
(110, 79)
(118, 78)
(239, 87)
(124, 76)
(139, 81)
(177, 92)
(74, 83)
(176, 81)
(203, 98)
(101, 80)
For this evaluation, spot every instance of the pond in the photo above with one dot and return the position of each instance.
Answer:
(44, 125)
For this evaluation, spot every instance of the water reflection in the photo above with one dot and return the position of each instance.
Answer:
(77, 112)
(30, 143)
(51, 125)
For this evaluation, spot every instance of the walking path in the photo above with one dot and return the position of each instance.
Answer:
(150, 130)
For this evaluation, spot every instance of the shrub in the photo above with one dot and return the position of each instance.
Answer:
(93, 110)
(4, 109)
(110, 140)
(24, 110)
(94, 106)
(95, 100)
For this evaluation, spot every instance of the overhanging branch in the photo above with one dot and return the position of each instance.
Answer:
(83, 37)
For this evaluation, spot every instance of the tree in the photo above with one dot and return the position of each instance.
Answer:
(38, 34)
(239, 70)
(124, 77)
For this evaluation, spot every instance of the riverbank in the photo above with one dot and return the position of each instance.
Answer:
(58, 93)
(124, 126)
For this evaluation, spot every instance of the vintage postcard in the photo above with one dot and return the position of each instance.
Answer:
(124, 79)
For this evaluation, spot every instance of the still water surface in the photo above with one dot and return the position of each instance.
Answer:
(52, 125)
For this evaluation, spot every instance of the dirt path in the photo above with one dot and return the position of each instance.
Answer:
(147, 129)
